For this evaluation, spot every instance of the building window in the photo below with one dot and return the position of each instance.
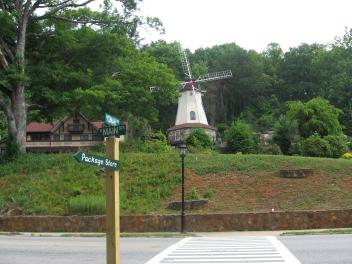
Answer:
(193, 115)
(67, 137)
(84, 137)
(56, 137)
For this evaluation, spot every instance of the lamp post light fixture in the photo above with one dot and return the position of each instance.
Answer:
(183, 152)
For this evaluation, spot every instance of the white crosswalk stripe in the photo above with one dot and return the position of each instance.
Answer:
(226, 250)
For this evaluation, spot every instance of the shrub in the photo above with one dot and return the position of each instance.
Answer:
(285, 132)
(347, 155)
(315, 146)
(193, 195)
(146, 146)
(296, 147)
(208, 193)
(87, 205)
(239, 138)
(271, 149)
(338, 145)
(155, 147)
(199, 139)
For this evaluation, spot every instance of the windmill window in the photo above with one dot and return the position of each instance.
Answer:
(193, 115)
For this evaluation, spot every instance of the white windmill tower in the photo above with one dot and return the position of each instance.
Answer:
(190, 111)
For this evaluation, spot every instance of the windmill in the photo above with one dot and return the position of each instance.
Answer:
(190, 110)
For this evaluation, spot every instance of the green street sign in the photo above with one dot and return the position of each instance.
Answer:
(87, 158)
(111, 120)
(113, 131)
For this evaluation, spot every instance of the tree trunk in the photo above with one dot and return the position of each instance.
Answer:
(20, 118)
(18, 100)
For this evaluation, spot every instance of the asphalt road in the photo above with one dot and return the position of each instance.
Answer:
(66, 250)
(320, 249)
(76, 250)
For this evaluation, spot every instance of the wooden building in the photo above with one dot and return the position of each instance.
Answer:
(69, 134)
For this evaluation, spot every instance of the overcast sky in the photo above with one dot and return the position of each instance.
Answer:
(251, 24)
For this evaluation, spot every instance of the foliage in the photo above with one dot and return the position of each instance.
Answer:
(193, 195)
(316, 116)
(198, 138)
(208, 193)
(263, 114)
(315, 146)
(87, 205)
(338, 145)
(158, 144)
(301, 121)
(347, 155)
(12, 150)
(44, 183)
(3, 126)
(271, 149)
(239, 138)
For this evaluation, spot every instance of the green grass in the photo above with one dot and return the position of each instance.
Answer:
(224, 163)
(56, 184)
(45, 184)
(323, 232)
(87, 205)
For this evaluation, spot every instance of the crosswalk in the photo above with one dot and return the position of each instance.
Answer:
(225, 250)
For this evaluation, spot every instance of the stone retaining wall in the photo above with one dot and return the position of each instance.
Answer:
(194, 223)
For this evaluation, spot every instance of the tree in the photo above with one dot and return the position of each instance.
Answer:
(316, 116)
(15, 18)
(199, 139)
(240, 138)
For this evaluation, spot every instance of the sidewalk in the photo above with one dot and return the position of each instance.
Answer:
(170, 234)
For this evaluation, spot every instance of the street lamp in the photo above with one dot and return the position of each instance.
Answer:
(183, 152)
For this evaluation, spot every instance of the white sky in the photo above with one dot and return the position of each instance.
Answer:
(251, 24)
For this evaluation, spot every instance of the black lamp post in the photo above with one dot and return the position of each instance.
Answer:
(183, 152)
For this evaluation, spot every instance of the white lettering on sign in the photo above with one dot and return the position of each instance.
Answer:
(110, 163)
(89, 159)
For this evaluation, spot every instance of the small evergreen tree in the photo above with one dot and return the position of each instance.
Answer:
(240, 138)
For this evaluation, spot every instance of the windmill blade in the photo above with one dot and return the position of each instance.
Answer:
(215, 76)
(185, 63)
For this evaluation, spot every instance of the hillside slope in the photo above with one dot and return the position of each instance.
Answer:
(45, 184)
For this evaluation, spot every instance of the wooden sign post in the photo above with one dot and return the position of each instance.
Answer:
(112, 205)
(111, 164)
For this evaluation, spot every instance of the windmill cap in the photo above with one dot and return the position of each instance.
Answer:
(188, 86)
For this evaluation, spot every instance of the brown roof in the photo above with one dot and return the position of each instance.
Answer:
(39, 127)
(185, 125)
(188, 86)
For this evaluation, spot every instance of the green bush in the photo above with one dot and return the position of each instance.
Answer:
(338, 145)
(271, 149)
(199, 139)
(347, 155)
(315, 146)
(208, 193)
(194, 195)
(87, 205)
(145, 146)
(285, 132)
(239, 138)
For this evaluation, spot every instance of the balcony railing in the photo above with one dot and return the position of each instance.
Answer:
(75, 128)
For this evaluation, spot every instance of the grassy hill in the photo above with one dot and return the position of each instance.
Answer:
(58, 185)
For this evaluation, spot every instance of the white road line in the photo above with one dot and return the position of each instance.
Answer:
(236, 250)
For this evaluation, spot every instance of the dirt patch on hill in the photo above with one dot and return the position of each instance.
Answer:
(266, 191)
